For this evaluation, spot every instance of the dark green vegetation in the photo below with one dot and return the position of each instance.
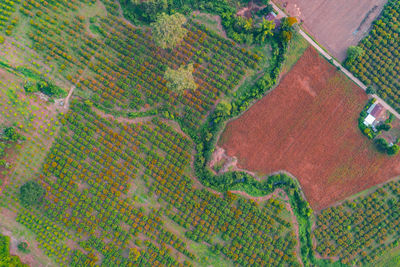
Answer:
(376, 60)
(31, 193)
(383, 146)
(238, 28)
(5, 258)
(23, 246)
(362, 229)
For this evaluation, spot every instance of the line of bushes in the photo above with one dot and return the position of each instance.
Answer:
(236, 27)
(206, 138)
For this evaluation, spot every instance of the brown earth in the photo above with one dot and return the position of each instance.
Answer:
(308, 127)
(338, 24)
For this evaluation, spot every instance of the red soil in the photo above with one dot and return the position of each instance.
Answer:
(308, 127)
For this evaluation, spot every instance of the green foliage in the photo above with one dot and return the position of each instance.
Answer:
(30, 86)
(383, 146)
(265, 30)
(354, 52)
(167, 30)
(181, 79)
(377, 65)
(1, 39)
(50, 89)
(31, 193)
(5, 258)
(367, 225)
(37, 82)
(23, 246)
(149, 9)
(370, 90)
(12, 135)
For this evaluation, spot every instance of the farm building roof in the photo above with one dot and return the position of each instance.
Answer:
(371, 108)
(369, 120)
(377, 110)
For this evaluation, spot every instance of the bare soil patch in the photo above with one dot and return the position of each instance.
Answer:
(308, 127)
(335, 24)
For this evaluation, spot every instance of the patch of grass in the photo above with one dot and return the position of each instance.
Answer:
(391, 258)
(207, 257)
(296, 49)
(209, 22)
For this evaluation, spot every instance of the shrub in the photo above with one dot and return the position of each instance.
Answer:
(23, 246)
(180, 79)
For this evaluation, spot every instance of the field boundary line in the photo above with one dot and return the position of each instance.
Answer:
(338, 65)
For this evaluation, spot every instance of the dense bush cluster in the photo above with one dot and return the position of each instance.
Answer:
(5, 258)
(379, 64)
(31, 193)
(362, 229)
(238, 28)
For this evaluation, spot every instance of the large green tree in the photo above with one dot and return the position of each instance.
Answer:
(168, 30)
(149, 9)
(31, 193)
(181, 79)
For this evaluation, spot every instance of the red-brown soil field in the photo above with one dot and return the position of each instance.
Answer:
(335, 24)
(308, 127)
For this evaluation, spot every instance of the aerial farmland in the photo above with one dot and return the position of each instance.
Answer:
(199, 133)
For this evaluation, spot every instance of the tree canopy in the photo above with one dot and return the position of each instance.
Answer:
(31, 193)
(266, 29)
(149, 9)
(354, 52)
(168, 30)
(181, 79)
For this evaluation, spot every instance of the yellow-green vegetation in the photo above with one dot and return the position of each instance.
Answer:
(181, 79)
(5, 258)
(168, 30)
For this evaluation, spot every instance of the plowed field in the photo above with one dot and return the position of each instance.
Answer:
(335, 24)
(308, 127)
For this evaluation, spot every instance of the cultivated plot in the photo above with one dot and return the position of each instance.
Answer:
(308, 127)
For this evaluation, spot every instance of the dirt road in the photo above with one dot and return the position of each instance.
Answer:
(337, 64)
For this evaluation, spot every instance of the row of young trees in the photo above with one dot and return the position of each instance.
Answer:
(376, 60)
(94, 164)
(362, 229)
(203, 214)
